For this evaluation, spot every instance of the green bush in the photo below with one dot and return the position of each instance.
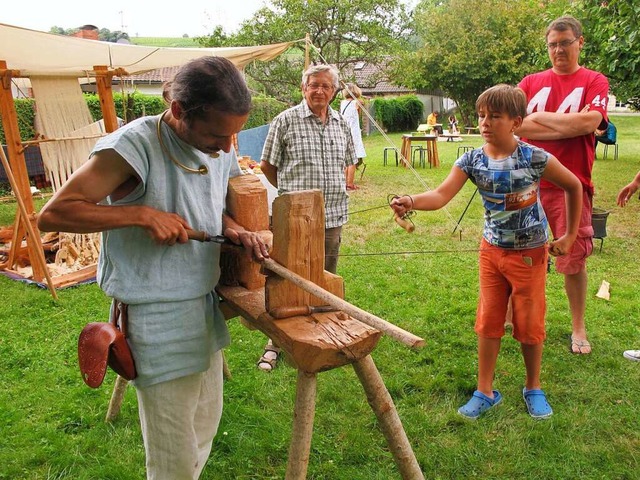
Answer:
(263, 109)
(26, 116)
(398, 114)
(128, 107)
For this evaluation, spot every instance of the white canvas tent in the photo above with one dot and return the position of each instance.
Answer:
(43, 54)
(45, 57)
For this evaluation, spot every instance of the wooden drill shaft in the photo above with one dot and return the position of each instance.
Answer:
(393, 331)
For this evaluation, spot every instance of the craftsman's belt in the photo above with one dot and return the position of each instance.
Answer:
(103, 344)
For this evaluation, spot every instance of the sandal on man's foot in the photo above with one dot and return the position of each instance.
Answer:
(479, 403)
(580, 347)
(269, 358)
(537, 404)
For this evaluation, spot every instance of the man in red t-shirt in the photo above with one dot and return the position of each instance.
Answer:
(567, 103)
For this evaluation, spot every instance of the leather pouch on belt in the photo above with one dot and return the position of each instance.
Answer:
(103, 344)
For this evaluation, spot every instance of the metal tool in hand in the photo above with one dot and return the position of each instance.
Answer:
(205, 237)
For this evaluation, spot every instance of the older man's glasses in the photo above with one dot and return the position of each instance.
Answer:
(563, 44)
(320, 86)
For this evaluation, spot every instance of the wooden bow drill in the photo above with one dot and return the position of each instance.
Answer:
(378, 323)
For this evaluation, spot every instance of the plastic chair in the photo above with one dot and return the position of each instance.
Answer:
(386, 152)
(615, 151)
(610, 137)
(423, 155)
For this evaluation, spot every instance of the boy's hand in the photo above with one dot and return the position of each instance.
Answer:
(401, 205)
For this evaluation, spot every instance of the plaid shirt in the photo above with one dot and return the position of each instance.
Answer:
(310, 155)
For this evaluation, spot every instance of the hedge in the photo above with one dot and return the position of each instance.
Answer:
(398, 114)
(137, 105)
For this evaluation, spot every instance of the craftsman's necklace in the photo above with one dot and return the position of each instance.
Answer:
(202, 169)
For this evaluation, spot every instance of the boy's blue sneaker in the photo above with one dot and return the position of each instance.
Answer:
(478, 404)
(537, 404)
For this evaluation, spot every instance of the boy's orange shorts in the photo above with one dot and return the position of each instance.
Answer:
(521, 275)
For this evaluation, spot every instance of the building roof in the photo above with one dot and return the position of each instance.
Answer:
(373, 80)
(370, 77)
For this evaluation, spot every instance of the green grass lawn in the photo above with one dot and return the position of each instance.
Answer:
(52, 425)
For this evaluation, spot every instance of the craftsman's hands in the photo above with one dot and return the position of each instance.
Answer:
(561, 246)
(252, 242)
(164, 228)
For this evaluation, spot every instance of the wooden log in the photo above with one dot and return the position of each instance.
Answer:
(303, 415)
(382, 405)
(298, 244)
(247, 205)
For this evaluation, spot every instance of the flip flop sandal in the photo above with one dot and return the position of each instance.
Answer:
(268, 362)
(479, 403)
(579, 344)
(537, 404)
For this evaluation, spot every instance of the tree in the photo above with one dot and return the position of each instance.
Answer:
(612, 46)
(470, 45)
(344, 33)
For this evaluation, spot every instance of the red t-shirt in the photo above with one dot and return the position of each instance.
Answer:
(549, 92)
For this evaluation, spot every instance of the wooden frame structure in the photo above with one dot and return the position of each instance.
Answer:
(25, 222)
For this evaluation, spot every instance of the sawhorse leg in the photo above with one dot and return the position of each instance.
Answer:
(382, 405)
(117, 396)
(303, 415)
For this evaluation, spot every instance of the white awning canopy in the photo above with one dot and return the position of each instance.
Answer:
(36, 53)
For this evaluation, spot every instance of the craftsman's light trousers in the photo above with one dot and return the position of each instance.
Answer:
(179, 419)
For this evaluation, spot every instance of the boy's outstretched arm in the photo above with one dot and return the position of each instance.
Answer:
(559, 175)
(628, 190)
(434, 199)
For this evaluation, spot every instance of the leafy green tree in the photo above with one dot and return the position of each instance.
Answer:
(470, 45)
(107, 35)
(343, 33)
(612, 46)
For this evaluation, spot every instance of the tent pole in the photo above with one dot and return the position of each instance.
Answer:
(307, 42)
(108, 106)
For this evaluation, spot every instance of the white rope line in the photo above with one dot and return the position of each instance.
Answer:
(404, 160)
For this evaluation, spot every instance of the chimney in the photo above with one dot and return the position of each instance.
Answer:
(89, 32)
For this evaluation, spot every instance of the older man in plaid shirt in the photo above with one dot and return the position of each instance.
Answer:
(309, 146)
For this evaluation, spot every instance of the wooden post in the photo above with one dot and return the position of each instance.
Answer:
(307, 43)
(103, 82)
(33, 233)
(382, 405)
(18, 168)
(298, 232)
(303, 416)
